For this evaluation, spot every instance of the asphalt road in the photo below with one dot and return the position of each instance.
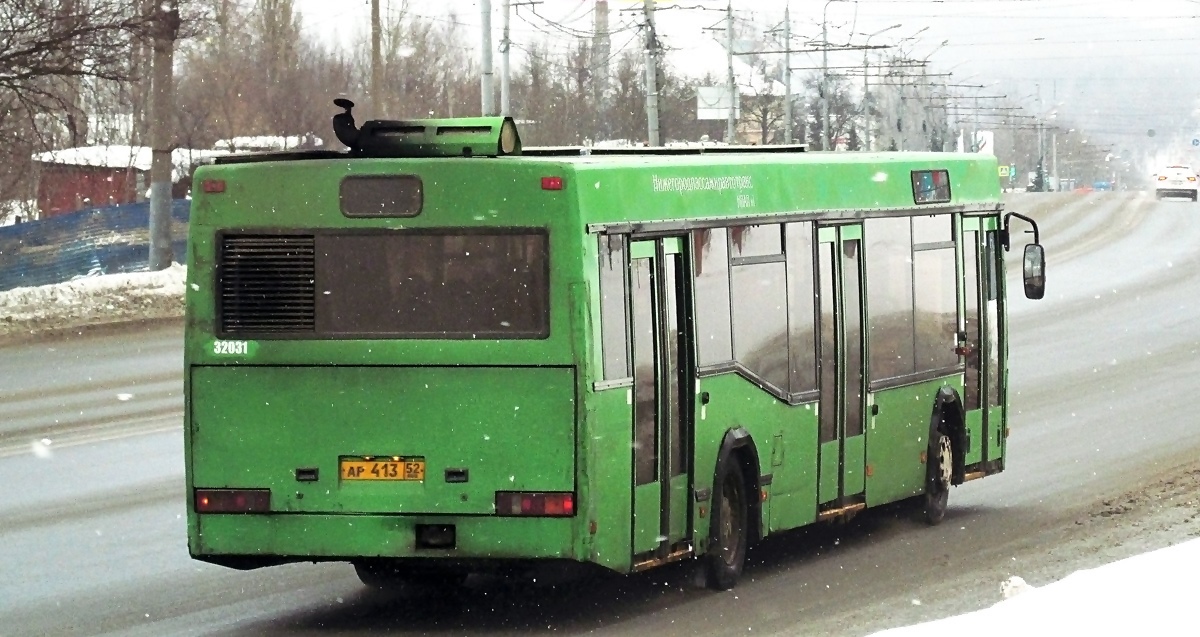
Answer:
(92, 534)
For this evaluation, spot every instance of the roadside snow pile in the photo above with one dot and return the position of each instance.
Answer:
(1149, 594)
(111, 298)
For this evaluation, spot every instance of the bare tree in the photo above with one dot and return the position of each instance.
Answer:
(48, 48)
(842, 109)
(763, 109)
(46, 42)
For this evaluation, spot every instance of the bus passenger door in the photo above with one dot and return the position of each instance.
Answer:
(841, 439)
(981, 347)
(661, 398)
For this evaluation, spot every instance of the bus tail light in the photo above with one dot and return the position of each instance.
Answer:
(523, 503)
(213, 186)
(233, 500)
(552, 183)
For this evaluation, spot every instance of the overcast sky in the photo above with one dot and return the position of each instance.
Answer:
(1117, 68)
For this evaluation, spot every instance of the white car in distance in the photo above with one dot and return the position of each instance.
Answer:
(1176, 181)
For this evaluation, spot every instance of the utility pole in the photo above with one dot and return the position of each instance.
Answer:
(787, 74)
(651, 74)
(867, 84)
(505, 46)
(376, 101)
(731, 80)
(601, 47)
(486, 90)
(166, 29)
(1054, 158)
(867, 101)
(824, 81)
(975, 128)
(825, 140)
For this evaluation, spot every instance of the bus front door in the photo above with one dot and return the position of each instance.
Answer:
(661, 399)
(841, 439)
(980, 348)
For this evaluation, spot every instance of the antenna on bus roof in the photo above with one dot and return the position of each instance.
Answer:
(343, 123)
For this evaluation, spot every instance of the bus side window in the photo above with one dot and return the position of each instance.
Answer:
(802, 313)
(759, 284)
(714, 331)
(991, 256)
(972, 395)
(614, 292)
(935, 294)
(890, 297)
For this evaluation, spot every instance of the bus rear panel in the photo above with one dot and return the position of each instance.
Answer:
(377, 371)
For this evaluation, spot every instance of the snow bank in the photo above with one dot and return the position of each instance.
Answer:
(1149, 594)
(112, 298)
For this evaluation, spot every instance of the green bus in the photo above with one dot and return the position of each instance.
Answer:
(440, 353)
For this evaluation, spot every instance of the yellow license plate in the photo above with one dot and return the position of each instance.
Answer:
(382, 469)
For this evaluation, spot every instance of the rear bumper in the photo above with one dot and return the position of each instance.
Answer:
(252, 540)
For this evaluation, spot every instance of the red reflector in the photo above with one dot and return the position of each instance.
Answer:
(233, 500)
(512, 503)
(552, 183)
(213, 186)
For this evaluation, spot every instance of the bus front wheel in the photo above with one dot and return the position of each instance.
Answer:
(727, 535)
(937, 485)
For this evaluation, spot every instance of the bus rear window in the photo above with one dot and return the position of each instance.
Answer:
(461, 285)
(441, 286)
(381, 196)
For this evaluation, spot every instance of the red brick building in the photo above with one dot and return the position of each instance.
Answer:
(75, 178)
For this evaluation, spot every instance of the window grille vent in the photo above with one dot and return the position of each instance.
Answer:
(266, 284)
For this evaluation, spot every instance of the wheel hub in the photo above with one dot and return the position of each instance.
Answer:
(945, 460)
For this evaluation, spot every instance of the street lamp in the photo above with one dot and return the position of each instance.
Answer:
(867, 84)
(911, 37)
(935, 50)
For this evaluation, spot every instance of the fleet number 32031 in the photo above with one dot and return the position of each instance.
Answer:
(231, 347)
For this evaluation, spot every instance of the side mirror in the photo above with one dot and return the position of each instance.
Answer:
(1034, 271)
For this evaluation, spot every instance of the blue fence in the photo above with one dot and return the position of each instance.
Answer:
(94, 241)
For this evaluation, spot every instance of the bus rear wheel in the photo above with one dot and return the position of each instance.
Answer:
(727, 535)
(937, 485)
(388, 576)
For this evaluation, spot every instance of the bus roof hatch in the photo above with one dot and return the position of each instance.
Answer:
(460, 137)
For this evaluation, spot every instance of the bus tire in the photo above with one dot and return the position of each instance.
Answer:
(937, 483)
(728, 534)
(386, 576)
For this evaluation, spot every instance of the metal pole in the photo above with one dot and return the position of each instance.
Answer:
(601, 127)
(1054, 158)
(505, 69)
(975, 128)
(1041, 153)
(376, 101)
(487, 95)
(825, 79)
(787, 74)
(651, 74)
(731, 118)
(867, 98)
(166, 29)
